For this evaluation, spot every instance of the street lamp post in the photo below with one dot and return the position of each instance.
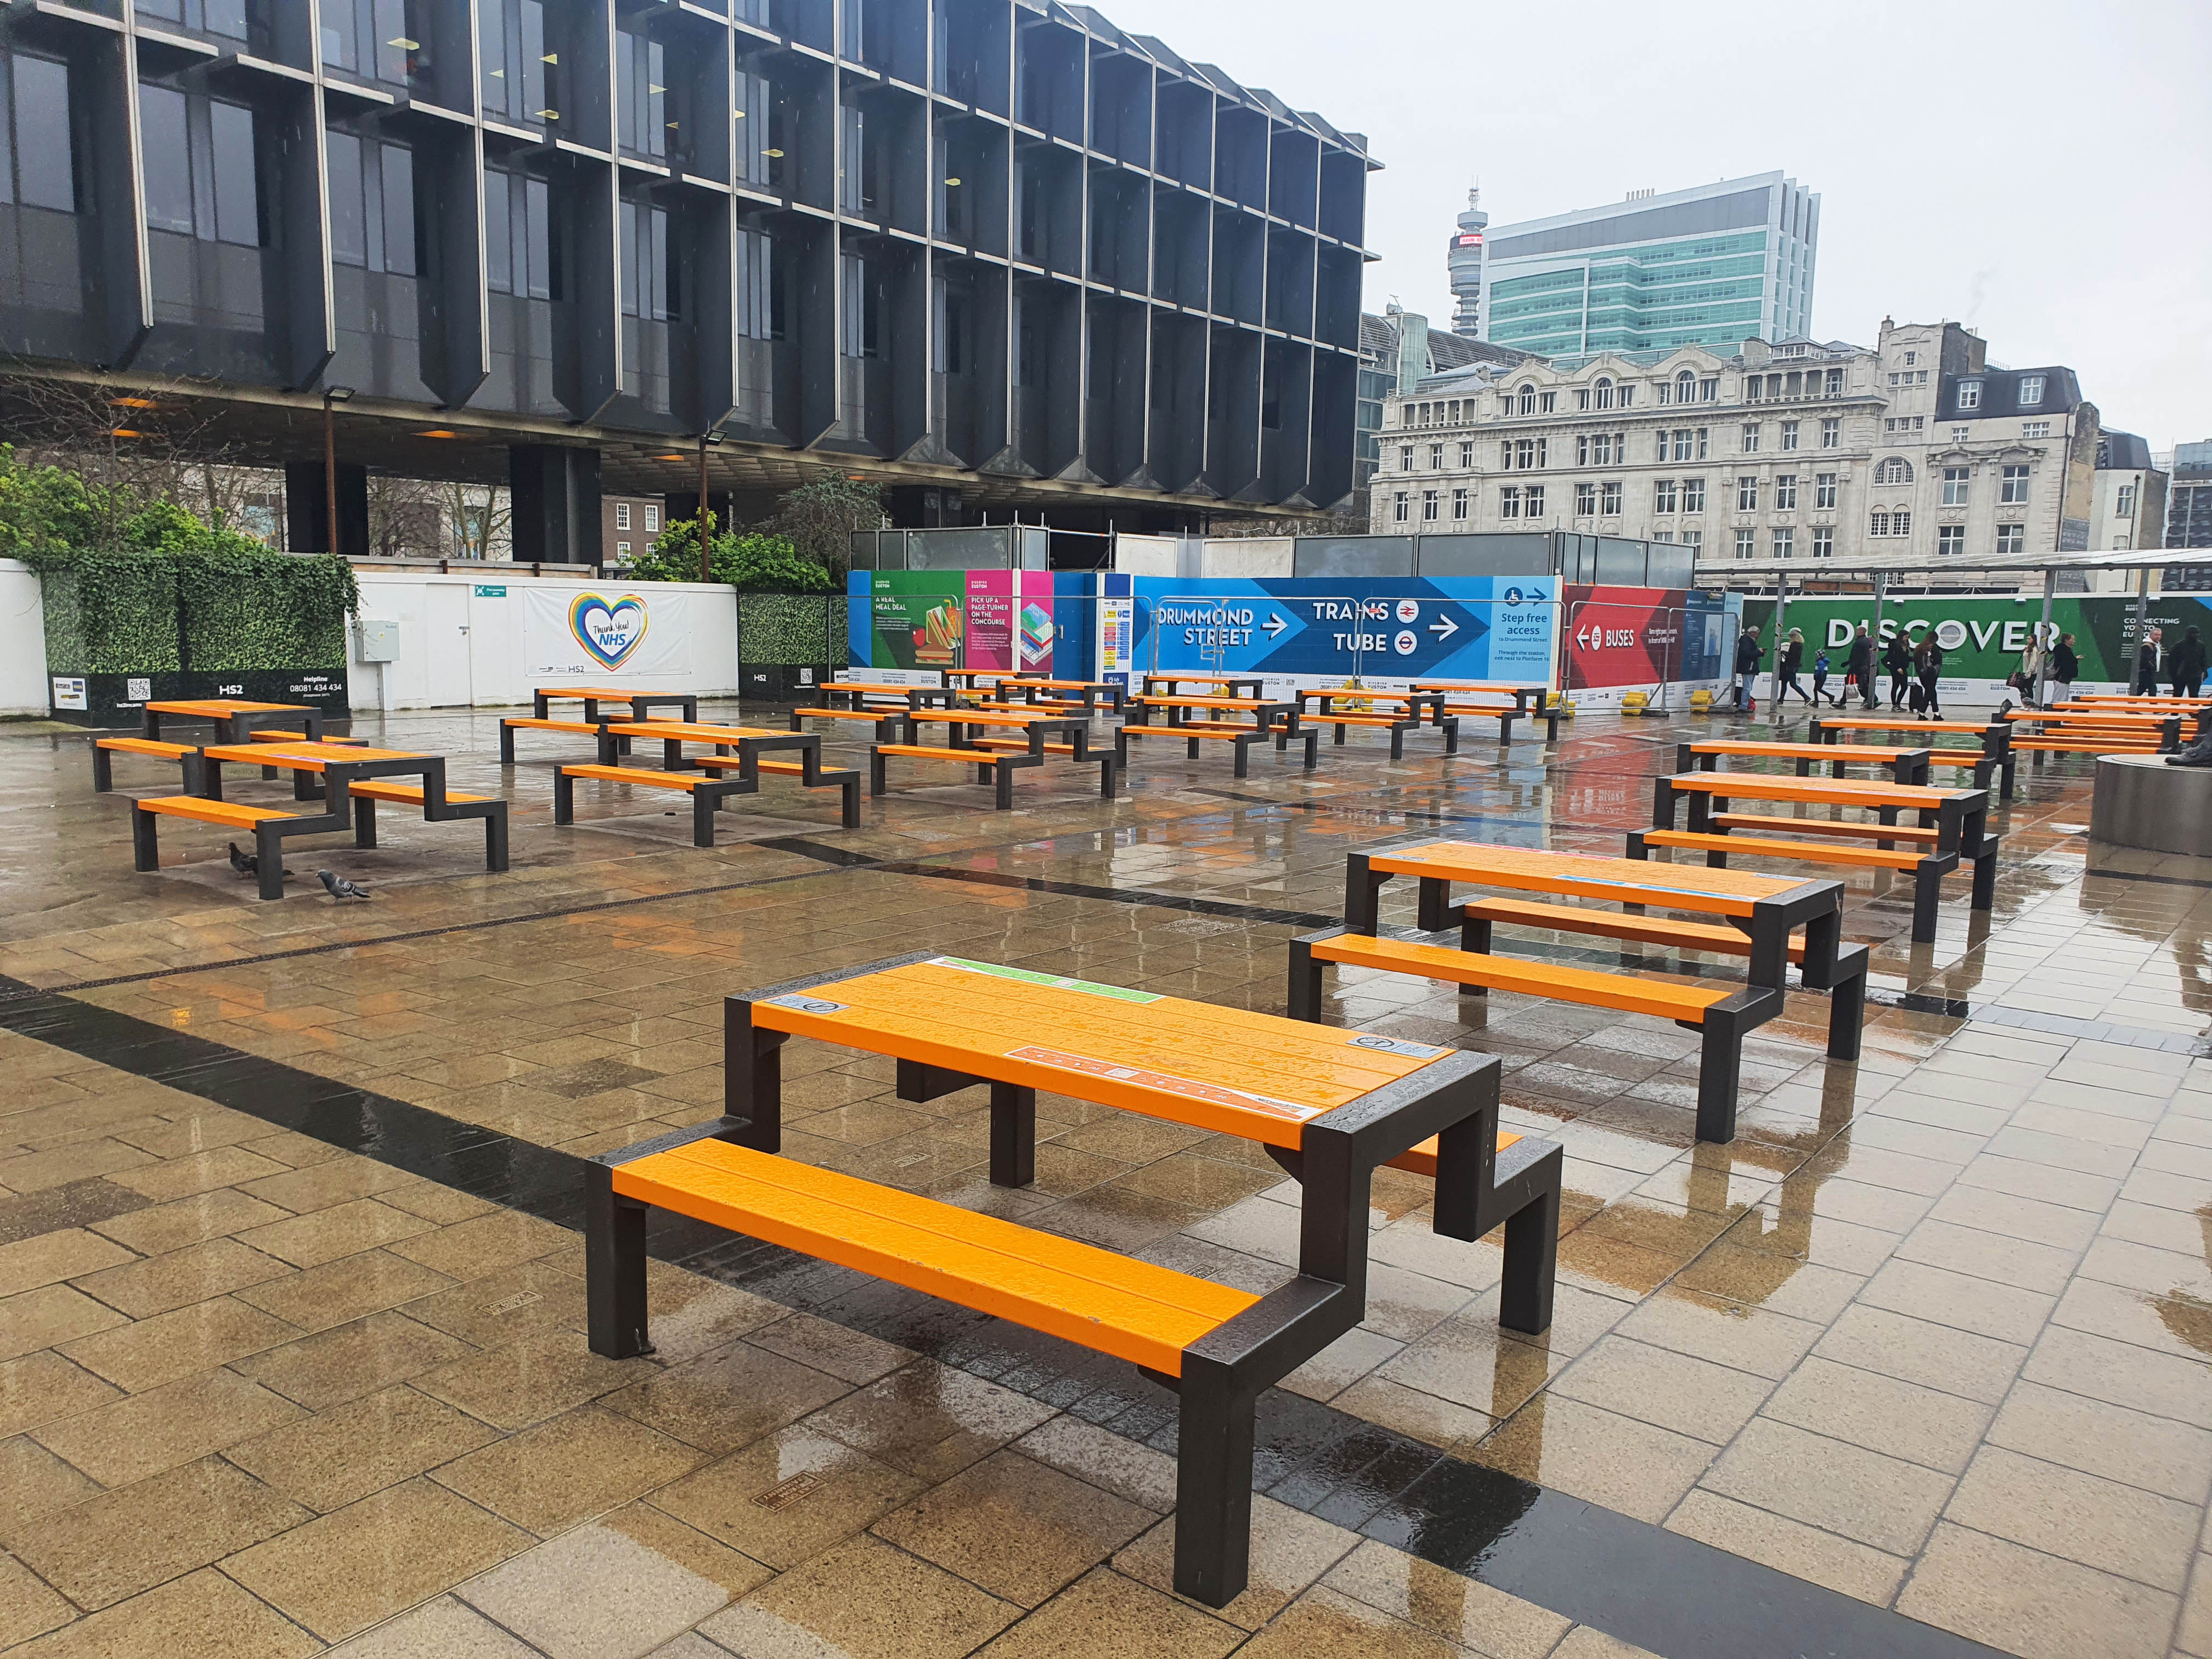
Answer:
(706, 566)
(331, 396)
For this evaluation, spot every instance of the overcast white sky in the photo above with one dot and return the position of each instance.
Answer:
(2041, 172)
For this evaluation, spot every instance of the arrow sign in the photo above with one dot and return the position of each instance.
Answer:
(1581, 637)
(1444, 630)
(1274, 625)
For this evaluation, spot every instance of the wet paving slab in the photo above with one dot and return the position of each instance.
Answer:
(292, 1355)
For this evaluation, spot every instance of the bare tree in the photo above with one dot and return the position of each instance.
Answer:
(481, 517)
(406, 517)
(131, 447)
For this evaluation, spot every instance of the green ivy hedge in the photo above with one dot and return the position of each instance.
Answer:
(130, 587)
(789, 630)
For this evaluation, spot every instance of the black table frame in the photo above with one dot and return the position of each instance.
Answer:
(642, 704)
(203, 777)
(1257, 682)
(1454, 1098)
(1816, 906)
(809, 743)
(1960, 822)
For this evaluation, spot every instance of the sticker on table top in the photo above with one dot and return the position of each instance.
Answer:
(1054, 982)
(1165, 1083)
(804, 1005)
(1383, 1045)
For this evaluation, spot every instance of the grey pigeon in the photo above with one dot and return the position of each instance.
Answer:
(246, 863)
(339, 887)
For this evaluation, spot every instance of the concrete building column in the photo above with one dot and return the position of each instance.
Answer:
(555, 503)
(306, 506)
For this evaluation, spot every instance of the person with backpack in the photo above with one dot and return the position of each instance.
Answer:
(1748, 654)
(1896, 657)
(1927, 663)
(2186, 665)
(1859, 665)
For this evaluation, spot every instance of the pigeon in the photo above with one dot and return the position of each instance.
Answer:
(246, 863)
(339, 887)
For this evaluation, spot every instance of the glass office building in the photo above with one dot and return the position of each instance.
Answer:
(995, 245)
(1712, 267)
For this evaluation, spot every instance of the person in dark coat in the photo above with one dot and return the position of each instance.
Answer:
(2146, 659)
(1785, 670)
(1927, 663)
(1860, 665)
(1896, 657)
(2185, 666)
(1748, 654)
(2065, 666)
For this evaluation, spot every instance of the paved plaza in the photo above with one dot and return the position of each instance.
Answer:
(292, 1309)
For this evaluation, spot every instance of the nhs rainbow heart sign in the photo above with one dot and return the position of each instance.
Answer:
(610, 629)
(578, 634)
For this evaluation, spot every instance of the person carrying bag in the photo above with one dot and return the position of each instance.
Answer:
(1928, 660)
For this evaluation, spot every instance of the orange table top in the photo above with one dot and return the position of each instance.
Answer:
(692, 731)
(1873, 723)
(304, 756)
(1013, 715)
(1585, 875)
(2146, 717)
(1258, 1076)
(1359, 691)
(1842, 751)
(1837, 791)
(1211, 702)
(1478, 686)
(222, 708)
(602, 693)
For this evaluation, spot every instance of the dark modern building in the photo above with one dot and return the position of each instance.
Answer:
(994, 253)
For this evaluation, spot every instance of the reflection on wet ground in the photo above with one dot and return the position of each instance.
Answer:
(291, 1353)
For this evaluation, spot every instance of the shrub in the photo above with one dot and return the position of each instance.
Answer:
(133, 586)
(751, 563)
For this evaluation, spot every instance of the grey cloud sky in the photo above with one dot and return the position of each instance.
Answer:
(2041, 172)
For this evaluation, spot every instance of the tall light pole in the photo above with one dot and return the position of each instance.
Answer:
(706, 567)
(331, 396)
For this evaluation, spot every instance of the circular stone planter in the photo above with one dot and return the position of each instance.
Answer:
(2141, 801)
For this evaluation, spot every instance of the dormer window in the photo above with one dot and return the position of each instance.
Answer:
(2031, 391)
(1605, 394)
(1970, 394)
(1528, 399)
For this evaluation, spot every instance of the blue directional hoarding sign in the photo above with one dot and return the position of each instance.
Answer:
(1330, 627)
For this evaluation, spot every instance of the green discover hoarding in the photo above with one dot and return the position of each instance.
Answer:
(1982, 638)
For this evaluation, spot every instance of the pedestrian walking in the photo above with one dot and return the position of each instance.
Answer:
(1747, 655)
(2028, 676)
(1860, 665)
(2186, 665)
(1896, 657)
(1786, 671)
(1820, 681)
(2147, 665)
(1927, 663)
(2065, 668)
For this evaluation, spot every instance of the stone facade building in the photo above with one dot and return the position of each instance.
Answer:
(1796, 450)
